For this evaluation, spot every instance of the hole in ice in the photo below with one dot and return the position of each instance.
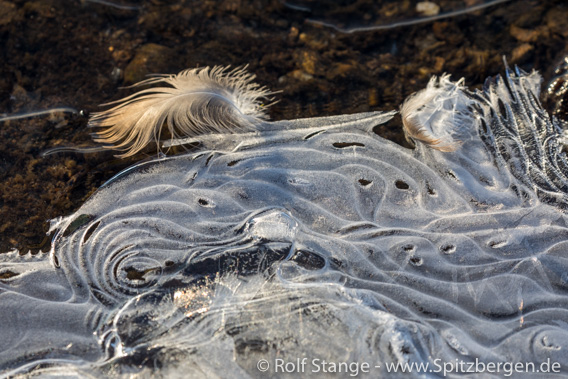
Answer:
(307, 137)
(431, 191)
(56, 261)
(308, 260)
(448, 249)
(206, 203)
(400, 184)
(135, 271)
(365, 182)
(343, 145)
(90, 231)
(209, 159)
(168, 263)
(8, 274)
(232, 163)
(117, 253)
(234, 330)
(132, 273)
(416, 261)
(409, 248)
(452, 175)
(497, 244)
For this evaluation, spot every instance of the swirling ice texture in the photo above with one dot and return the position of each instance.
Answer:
(312, 238)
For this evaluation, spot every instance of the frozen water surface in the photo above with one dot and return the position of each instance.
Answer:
(315, 239)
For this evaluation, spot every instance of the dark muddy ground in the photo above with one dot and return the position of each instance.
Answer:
(78, 53)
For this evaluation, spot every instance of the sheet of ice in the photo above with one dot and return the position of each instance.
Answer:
(312, 239)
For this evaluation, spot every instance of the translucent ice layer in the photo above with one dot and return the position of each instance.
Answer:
(314, 239)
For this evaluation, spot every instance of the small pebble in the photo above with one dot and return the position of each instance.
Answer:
(427, 8)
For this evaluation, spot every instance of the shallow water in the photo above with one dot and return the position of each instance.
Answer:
(314, 239)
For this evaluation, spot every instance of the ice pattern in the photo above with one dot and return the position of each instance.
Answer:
(313, 238)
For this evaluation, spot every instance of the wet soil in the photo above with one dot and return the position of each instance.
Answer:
(79, 53)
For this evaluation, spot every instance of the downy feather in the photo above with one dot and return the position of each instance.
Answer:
(196, 101)
(433, 115)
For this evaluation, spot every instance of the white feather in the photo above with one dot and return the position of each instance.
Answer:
(197, 101)
(435, 115)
